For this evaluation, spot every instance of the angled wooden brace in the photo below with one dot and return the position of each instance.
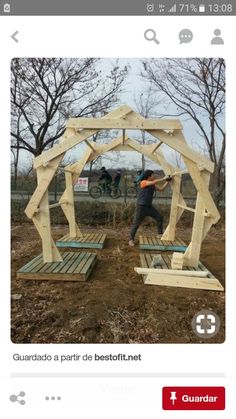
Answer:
(77, 138)
(68, 207)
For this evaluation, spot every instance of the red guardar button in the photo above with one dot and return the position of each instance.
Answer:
(193, 398)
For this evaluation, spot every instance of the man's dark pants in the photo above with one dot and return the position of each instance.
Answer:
(143, 211)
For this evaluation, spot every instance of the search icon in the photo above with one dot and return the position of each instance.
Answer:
(150, 35)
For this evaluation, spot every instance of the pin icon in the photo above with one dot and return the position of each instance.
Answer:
(173, 397)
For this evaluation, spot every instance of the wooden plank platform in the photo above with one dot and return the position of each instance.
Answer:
(76, 266)
(87, 241)
(157, 267)
(154, 243)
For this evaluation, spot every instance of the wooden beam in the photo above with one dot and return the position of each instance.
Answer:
(77, 167)
(89, 145)
(69, 208)
(57, 204)
(113, 123)
(202, 187)
(66, 144)
(176, 185)
(45, 180)
(105, 148)
(146, 271)
(186, 208)
(42, 224)
(68, 194)
(180, 172)
(192, 254)
(156, 146)
(180, 281)
(122, 147)
(176, 143)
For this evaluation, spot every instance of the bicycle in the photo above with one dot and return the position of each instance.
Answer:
(111, 190)
(132, 192)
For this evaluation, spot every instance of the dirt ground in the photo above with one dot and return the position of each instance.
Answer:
(113, 306)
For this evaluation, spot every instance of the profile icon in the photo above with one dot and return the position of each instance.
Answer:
(217, 40)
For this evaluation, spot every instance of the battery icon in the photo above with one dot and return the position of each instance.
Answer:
(202, 8)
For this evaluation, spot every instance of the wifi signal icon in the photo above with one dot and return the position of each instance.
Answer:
(173, 9)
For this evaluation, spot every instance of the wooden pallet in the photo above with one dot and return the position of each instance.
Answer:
(162, 274)
(74, 267)
(154, 243)
(87, 241)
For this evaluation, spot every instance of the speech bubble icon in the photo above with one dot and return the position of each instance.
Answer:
(185, 36)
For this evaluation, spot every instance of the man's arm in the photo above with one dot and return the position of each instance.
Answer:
(161, 188)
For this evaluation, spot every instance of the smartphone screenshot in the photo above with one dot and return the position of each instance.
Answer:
(117, 257)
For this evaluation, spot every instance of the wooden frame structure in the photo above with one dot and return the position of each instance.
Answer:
(166, 131)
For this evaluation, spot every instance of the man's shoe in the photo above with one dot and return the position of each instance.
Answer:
(131, 243)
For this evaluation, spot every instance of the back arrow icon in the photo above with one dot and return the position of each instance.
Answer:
(14, 36)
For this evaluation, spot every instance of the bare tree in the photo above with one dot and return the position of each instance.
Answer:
(197, 89)
(146, 104)
(45, 92)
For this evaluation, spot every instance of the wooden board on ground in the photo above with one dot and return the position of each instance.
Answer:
(76, 266)
(163, 263)
(87, 241)
(154, 243)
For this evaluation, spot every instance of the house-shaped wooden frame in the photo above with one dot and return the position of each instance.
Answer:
(166, 131)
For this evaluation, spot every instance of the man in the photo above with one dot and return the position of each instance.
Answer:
(117, 179)
(144, 203)
(105, 180)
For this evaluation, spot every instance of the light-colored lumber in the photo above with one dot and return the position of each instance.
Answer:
(57, 204)
(176, 184)
(69, 208)
(89, 145)
(180, 281)
(105, 148)
(186, 208)
(146, 271)
(202, 188)
(175, 143)
(114, 123)
(156, 146)
(43, 183)
(43, 225)
(192, 254)
(167, 131)
(68, 194)
(177, 261)
(66, 144)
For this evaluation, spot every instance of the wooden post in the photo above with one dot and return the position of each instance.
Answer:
(41, 221)
(176, 184)
(192, 253)
(71, 176)
(69, 207)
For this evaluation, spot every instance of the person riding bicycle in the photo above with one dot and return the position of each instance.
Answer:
(116, 180)
(105, 180)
